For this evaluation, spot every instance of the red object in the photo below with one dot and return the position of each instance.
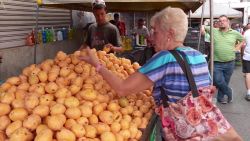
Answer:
(121, 27)
(33, 37)
(29, 41)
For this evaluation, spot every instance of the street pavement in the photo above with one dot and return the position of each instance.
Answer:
(238, 112)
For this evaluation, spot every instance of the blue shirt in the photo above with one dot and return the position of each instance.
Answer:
(164, 71)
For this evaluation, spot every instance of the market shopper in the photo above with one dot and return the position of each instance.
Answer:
(246, 62)
(162, 70)
(119, 24)
(102, 33)
(207, 40)
(216, 24)
(141, 30)
(225, 40)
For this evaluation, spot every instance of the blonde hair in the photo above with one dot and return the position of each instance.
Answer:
(172, 18)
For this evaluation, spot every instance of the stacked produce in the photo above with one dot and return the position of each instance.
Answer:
(65, 99)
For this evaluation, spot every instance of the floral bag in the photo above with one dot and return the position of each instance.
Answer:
(194, 117)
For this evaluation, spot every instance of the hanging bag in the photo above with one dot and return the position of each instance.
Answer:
(194, 117)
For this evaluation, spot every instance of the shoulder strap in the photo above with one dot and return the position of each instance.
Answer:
(182, 60)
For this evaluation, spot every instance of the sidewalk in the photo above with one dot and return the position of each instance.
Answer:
(238, 112)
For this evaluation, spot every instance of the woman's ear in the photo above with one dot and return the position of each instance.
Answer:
(171, 33)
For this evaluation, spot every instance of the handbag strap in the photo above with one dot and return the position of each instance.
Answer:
(182, 60)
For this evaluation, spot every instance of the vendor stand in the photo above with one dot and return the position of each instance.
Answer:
(137, 54)
(130, 6)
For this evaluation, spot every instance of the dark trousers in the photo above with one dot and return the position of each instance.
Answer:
(222, 74)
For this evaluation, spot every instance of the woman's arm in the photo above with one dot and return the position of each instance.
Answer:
(133, 84)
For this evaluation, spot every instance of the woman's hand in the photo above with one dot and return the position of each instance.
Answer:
(90, 58)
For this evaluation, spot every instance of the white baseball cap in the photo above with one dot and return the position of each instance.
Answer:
(98, 3)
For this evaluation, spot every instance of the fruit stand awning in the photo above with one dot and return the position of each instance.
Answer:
(219, 9)
(125, 5)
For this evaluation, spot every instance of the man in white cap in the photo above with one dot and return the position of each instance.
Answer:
(102, 33)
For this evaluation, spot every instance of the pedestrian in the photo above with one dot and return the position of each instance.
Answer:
(246, 61)
(119, 24)
(237, 27)
(141, 31)
(207, 40)
(216, 24)
(225, 40)
(102, 33)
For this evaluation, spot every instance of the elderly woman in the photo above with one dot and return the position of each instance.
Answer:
(162, 70)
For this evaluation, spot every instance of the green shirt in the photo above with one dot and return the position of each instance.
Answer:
(224, 44)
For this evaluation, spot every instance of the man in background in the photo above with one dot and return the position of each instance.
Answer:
(225, 40)
(207, 40)
(141, 29)
(216, 24)
(119, 24)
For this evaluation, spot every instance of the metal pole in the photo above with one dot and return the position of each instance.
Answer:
(36, 31)
(202, 15)
(211, 40)
(134, 19)
(147, 19)
(189, 17)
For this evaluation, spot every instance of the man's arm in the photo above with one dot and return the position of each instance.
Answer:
(240, 45)
(241, 40)
(117, 49)
(117, 46)
(203, 30)
(83, 46)
(114, 48)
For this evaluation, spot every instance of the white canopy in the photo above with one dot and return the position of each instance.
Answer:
(219, 9)
(125, 5)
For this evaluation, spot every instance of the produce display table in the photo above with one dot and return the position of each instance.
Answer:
(62, 79)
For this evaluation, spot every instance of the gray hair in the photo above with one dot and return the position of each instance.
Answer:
(172, 18)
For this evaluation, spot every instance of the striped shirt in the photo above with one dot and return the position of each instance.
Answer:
(165, 72)
(224, 44)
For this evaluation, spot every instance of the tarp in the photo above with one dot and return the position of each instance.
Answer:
(219, 9)
(125, 5)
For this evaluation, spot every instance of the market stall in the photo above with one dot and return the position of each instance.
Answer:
(130, 6)
(69, 100)
(125, 6)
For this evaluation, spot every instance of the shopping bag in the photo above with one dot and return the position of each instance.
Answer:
(153, 131)
(194, 117)
(156, 134)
